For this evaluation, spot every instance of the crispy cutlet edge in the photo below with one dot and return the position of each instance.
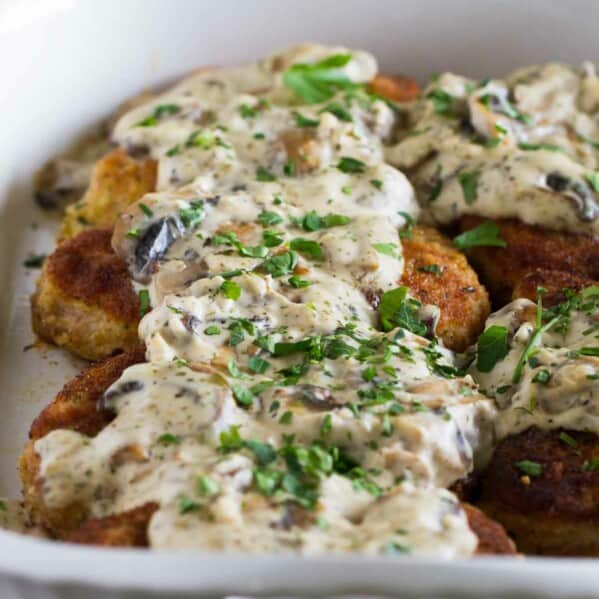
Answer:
(84, 283)
(456, 290)
(75, 407)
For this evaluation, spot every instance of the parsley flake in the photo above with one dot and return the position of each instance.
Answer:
(486, 234)
(492, 347)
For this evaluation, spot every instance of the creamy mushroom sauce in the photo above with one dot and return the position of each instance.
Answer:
(524, 147)
(557, 385)
(273, 415)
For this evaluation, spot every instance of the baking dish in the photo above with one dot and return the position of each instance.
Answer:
(70, 63)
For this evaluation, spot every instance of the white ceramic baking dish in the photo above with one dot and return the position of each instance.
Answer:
(64, 64)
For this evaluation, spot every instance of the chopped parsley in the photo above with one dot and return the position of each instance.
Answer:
(192, 216)
(304, 122)
(269, 219)
(313, 222)
(289, 168)
(397, 310)
(394, 548)
(144, 302)
(591, 465)
(264, 175)
(281, 264)
(231, 290)
(146, 210)
(535, 337)
(588, 140)
(442, 102)
(286, 418)
(258, 365)
(593, 179)
(537, 147)
(492, 347)
(307, 247)
(486, 234)
(212, 330)
(243, 396)
(336, 109)
(187, 505)
(206, 486)
(34, 261)
(496, 105)
(434, 269)
(406, 232)
(326, 425)
(230, 440)
(568, 440)
(319, 81)
(265, 453)
(469, 184)
(159, 111)
(542, 376)
(298, 282)
(351, 165)
(234, 370)
(247, 112)
(169, 439)
(271, 239)
(533, 469)
(388, 249)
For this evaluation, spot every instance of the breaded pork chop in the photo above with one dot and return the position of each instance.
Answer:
(129, 529)
(529, 249)
(84, 299)
(76, 407)
(117, 181)
(438, 274)
(543, 486)
(553, 281)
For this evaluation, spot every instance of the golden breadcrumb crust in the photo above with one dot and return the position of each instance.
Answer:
(438, 274)
(76, 407)
(84, 299)
(557, 511)
(117, 181)
(558, 258)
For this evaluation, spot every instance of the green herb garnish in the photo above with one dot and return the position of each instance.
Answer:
(304, 122)
(34, 261)
(269, 219)
(264, 175)
(307, 247)
(442, 101)
(319, 81)
(144, 302)
(231, 290)
(388, 249)
(169, 439)
(159, 111)
(469, 184)
(243, 396)
(533, 469)
(486, 234)
(492, 347)
(347, 164)
(281, 264)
